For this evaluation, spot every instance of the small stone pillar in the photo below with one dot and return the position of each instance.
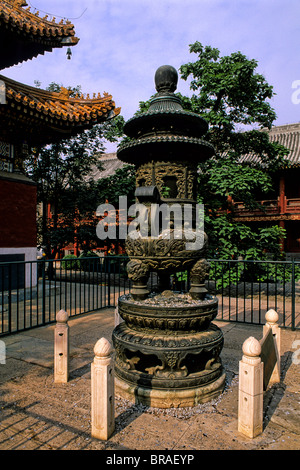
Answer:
(250, 411)
(61, 348)
(138, 273)
(198, 274)
(272, 322)
(102, 391)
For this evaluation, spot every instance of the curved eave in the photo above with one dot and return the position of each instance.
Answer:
(26, 35)
(55, 115)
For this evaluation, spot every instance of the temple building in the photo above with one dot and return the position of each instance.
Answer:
(31, 117)
(283, 206)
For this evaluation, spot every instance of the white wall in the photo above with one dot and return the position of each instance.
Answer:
(31, 268)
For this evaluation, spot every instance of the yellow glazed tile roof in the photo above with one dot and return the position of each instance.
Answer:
(35, 35)
(56, 111)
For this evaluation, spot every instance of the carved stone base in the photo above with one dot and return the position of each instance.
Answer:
(194, 316)
(168, 351)
(169, 398)
(184, 366)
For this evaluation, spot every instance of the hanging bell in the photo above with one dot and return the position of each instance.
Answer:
(69, 53)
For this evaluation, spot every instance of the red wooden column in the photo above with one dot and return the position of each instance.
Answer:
(282, 206)
(282, 198)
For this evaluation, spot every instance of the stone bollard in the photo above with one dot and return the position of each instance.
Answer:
(250, 412)
(272, 322)
(102, 393)
(61, 348)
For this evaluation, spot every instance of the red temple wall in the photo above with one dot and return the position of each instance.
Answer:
(18, 202)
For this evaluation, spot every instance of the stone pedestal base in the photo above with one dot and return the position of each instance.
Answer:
(168, 355)
(170, 398)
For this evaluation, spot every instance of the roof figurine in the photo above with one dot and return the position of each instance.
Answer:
(56, 115)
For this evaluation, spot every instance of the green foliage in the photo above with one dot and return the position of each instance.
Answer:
(231, 273)
(233, 240)
(165, 191)
(121, 183)
(229, 89)
(55, 87)
(234, 100)
(223, 177)
(232, 97)
(89, 261)
(69, 262)
(225, 274)
(61, 172)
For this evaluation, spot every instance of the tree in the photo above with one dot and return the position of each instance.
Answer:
(121, 183)
(234, 100)
(109, 190)
(61, 172)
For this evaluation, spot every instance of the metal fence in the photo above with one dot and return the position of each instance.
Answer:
(31, 293)
(248, 289)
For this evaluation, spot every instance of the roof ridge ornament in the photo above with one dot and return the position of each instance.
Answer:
(21, 3)
(64, 93)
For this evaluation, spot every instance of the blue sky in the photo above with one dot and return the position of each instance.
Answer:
(123, 42)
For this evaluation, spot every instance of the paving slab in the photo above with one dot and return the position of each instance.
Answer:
(37, 414)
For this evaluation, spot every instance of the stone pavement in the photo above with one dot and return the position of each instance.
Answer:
(37, 414)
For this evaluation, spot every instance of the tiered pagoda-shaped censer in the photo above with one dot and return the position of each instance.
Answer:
(167, 349)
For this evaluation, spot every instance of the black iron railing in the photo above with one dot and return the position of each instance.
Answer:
(31, 293)
(248, 289)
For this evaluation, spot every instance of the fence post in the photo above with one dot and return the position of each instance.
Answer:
(102, 391)
(44, 292)
(250, 407)
(9, 298)
(272, 322)
(61, 348)
(109, 279)
(293, 296)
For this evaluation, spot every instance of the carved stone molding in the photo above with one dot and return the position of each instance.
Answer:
(176, 318)
(147, 358)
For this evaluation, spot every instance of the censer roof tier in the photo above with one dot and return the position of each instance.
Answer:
(166, 128)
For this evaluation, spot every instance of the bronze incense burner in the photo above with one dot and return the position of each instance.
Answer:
(167, 349)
